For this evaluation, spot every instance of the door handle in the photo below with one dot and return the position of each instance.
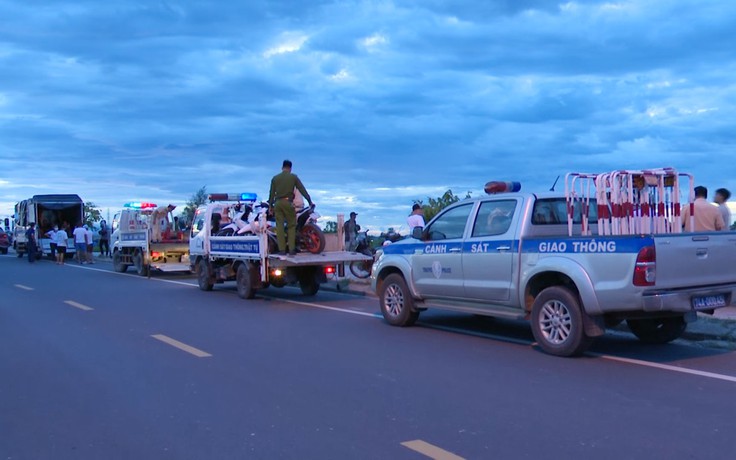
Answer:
(455, 250)
(503, 248)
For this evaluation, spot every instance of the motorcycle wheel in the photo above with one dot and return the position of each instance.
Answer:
(361, 268)
(313, 240)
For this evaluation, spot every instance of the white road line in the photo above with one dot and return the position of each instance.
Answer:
(181, 346)
(429, 450)
(667, 367)
(78, 305)
(324, 307)
(183, 283)
(25, 288)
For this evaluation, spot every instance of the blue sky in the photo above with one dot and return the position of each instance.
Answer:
(377, 103)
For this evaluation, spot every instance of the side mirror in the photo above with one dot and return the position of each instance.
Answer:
(417, 232)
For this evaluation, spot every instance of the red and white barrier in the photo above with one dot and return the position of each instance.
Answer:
(630, 202)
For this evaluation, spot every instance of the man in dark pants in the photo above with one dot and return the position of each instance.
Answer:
(281, 199)
(31, 242)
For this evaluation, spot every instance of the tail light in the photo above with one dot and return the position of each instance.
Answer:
(329, 270)
(645, 271)
(156, 255)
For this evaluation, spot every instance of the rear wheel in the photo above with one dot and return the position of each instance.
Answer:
(140, 265)
(308, 283)
(657, 330)
(3, 250)
(117, 263)
(557, 322)
(244, 280)
(313, 240)
(397, 304)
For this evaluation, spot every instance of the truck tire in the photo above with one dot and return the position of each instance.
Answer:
(205, 280)
(308, 283)
(140, 266)
(117, 263)
(312, 238)
(244, 280)
(657, 330)
(557, 322)
(397, 304)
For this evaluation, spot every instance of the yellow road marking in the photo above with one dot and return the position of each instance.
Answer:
(78, 305)
(25, 288)
(182, 346)
(430, 450)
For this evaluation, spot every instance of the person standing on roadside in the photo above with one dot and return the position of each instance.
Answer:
(722, 195)
(706, 216)
(51, 234)
(89, 240)
(350, 228)
(104, 239)
(416, 218)
(80, 243)
(62, 239)
(31, 242)
(280, 198)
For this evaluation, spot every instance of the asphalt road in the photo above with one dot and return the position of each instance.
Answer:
(99, 365)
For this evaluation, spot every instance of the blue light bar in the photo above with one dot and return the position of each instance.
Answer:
(248, 196)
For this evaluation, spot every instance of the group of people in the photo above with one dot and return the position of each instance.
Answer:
(83, 242)
(708, 218)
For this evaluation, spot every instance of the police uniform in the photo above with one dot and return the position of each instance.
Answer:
(281, 199)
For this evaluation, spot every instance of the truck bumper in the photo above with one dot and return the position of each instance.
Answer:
(681, 301)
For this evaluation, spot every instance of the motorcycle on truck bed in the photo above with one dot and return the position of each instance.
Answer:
(250, 258)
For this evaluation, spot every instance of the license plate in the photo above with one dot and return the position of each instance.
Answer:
(709, 301)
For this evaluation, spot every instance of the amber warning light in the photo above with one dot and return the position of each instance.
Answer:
(494, 187)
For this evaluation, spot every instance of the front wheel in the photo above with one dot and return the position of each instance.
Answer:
(117, 263)
(313, 240)
(140, 265)
(657, 330)
(244, 280)
(205, 280)
(397, 304)
(557, 322)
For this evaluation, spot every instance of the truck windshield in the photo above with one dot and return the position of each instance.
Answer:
(553, 211)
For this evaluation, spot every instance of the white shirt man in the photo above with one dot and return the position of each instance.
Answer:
(89, 241)
(80, 243)
(416, 218)
(722, 195)
(61, 242)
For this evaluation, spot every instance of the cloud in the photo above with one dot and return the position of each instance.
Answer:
(377, 103)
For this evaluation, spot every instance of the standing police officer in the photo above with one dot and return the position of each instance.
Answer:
(281, 200)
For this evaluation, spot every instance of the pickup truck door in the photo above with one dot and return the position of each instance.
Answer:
(438, 271)
(489, 251)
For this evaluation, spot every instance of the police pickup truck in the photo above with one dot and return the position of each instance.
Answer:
(510, 255)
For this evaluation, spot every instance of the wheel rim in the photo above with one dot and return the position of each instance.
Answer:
(555, 322)
(311, 240)
(394, 300)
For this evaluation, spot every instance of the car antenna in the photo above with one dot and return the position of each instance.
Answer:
(552, 189)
